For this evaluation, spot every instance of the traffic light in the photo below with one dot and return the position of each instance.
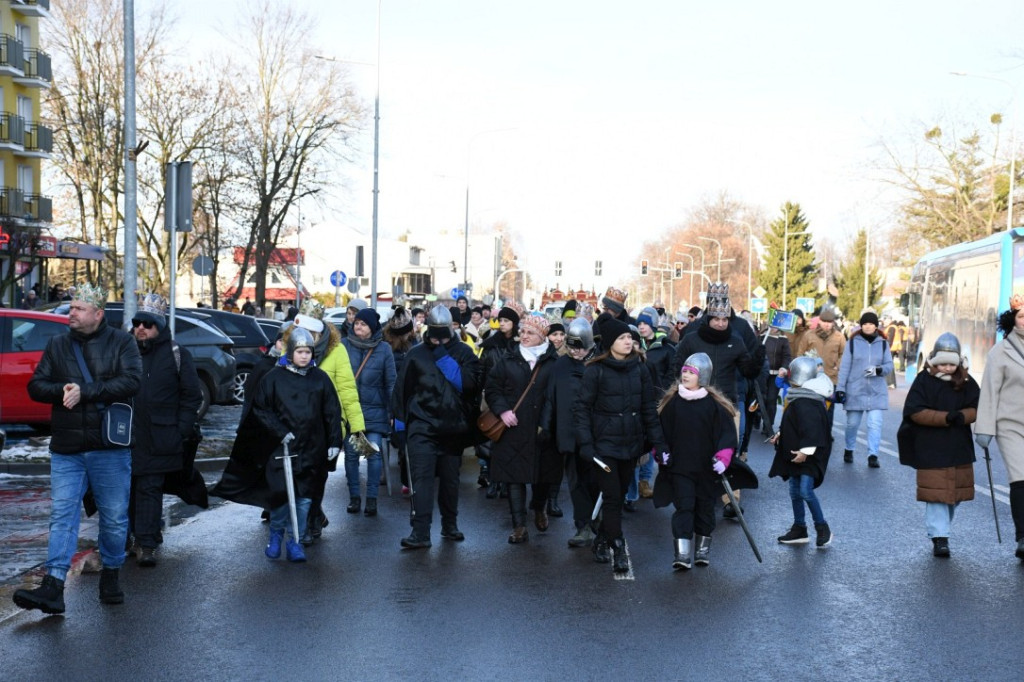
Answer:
(677, 270)
(643, 267)
(597, 268)
(558, 268)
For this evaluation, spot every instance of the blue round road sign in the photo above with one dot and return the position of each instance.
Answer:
(338, 278)
(456, 292)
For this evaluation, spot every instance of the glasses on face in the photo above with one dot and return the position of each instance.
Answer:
(143, 323)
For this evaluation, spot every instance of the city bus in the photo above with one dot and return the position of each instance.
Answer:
(962, 289)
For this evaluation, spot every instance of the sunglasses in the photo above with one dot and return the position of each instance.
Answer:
(143, 323)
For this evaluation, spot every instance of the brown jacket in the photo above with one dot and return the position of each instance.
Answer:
(830, 350)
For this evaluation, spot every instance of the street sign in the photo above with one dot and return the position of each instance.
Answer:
(202, 265)
(456, 292)
(759, 305)
(760, 292)
(398, 290)
(353, 285)
(338, 278)
(806, 305)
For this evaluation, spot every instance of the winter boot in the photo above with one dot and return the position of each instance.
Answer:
(147, 557)
(273, 549)
(518, 535)
(354, 505)
(600, 549)
(492, 490)
(110, 588)
(824, 538)
(554, 510)
(503, 491)
(48, 597)
(450, 531)
(848, 456)
(371, 507)
(702, 552)
(295, 552)
(584, 536)
(415, 541)
(873, 461)
(1020, 549)
(483, 480)
(682, 562)
(540, 519)
(620, 560)
(940, 547)
(797, 535)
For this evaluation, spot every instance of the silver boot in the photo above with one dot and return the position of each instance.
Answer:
(702, 556)
(683, 562)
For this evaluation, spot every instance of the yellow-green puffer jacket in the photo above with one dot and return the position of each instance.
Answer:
(339, 369)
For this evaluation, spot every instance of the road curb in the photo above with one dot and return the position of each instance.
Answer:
(42, 468)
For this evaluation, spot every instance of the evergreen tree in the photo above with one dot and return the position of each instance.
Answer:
(850, 281)
(800, 277)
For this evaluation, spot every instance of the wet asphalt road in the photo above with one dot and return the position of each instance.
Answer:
(876, 605)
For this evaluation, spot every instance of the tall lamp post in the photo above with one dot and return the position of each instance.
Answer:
(1013, 127)
(785, 255)
(718, 267)
(750, 254)
(687, 255)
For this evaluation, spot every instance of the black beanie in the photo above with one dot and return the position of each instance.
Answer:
(570, 305)
(869, 318)
(556, 327)
(509, 314)
(370, 317)
(611, 329)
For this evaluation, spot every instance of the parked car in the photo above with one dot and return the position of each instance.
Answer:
(23, 338)
(211, 350)
(270, 327)
(250, 341)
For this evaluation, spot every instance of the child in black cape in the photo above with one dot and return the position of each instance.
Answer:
(802, 448)
(700, 429)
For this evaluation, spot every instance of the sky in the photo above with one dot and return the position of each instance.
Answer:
(591, 126)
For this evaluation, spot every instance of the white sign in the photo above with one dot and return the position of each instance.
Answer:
(759, 305)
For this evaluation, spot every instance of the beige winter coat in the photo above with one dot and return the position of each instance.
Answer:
(1001, 408)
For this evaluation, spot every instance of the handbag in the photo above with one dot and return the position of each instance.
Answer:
(116, 428)
(490, 424)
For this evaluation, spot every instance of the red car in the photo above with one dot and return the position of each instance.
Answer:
(23, 338)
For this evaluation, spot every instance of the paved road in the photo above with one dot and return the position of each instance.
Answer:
(876, 605)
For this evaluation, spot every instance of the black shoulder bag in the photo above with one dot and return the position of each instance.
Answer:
(117, 417)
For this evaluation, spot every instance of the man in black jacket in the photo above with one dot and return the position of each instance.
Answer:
(165, 419)
(80, 457)
(437, 396)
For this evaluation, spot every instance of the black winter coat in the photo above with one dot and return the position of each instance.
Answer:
(659, 358)
(616, 412)
(804, 424)
(695, 430)
(113, 359)
(165, 407)
(729, 354)
(563, 389)
(521, 455)
(937, 447)
(429, 404)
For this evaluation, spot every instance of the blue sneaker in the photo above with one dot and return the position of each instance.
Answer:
(295, 551)
(273, 549)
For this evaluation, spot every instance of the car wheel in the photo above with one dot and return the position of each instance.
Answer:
(204, 390)
(238, 387)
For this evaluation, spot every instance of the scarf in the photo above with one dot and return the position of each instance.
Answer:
(532, 353)
(870, 338)
(687, 394)
(301, 371)
(800, 393)
(823, 334)
(712, 335)
(364, 344)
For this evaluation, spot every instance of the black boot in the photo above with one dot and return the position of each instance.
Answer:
(940, 547)
(110, 587)
(492, 490)
(483, 480)
(48, 597)
(620, 562)
(371, 506)
(354, 505)
(600, 549)
(553, 509)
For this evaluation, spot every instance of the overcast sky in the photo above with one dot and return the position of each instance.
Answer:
(624, 115)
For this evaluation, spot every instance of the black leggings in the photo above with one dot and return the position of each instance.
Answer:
(1017, 507)
(613, 487)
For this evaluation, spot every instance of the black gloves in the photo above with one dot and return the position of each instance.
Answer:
(955, 418)
(840, 397)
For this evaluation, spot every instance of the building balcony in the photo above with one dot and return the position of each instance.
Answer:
(37, 72)
(31, 8)
(12, 203)
(12, 131)
(37, 208)
(38, 142)
(12, 56)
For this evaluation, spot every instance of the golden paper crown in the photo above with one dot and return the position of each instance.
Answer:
(91, 294)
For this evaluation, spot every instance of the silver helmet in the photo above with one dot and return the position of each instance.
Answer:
(802, 370)
(946, 351)
(298, 338)
(579, 334)
(702, 363)
(439, 323)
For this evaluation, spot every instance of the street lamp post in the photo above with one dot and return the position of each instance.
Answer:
(1013, 129)
(687, 255)
(785, 255)
(750, 254)
(718, 272)
(694, 246)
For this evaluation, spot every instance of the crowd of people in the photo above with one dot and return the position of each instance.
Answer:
(619, 407)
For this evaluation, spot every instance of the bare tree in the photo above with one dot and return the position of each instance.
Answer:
(296, 114)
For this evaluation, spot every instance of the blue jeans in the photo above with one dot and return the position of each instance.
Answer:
(281, 518)
(801, 490)
(645, 472)
(938, 518)
(853, 418)
(374, 464)
(109, 474)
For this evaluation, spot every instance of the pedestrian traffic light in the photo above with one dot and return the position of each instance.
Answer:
(677, 270)
(558, 268)
(597, 268)
(643, 267)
